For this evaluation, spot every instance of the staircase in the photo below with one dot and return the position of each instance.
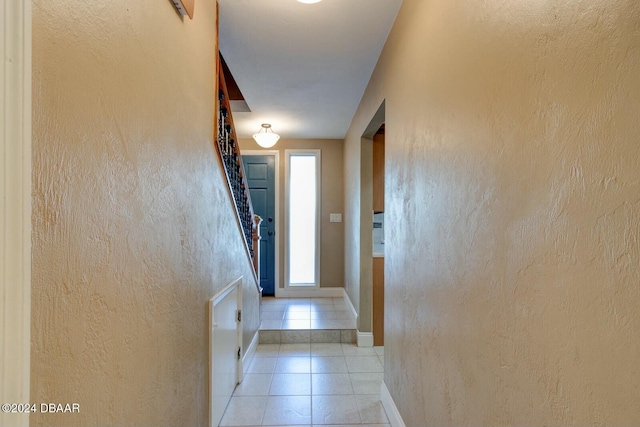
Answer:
(228, 149)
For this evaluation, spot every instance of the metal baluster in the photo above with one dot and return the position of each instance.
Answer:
(229, 156)
(228, 148)
(223, 115)
(232, 163)
(220, 118)
(220, 129)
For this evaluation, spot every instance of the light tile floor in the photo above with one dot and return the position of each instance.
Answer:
(306, 313)
(310, 385)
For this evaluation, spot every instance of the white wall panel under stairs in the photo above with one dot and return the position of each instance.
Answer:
(225, 348)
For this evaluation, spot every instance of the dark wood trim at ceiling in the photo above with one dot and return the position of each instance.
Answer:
(232, 87)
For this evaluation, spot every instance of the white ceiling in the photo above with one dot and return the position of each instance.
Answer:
(302, 67)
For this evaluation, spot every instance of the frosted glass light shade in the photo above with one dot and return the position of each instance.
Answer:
(266, 138)
(309, 1)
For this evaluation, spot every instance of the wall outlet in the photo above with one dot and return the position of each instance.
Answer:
(335, 217)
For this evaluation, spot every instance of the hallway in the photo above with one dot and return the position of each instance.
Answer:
(512, 216)
(310, 384)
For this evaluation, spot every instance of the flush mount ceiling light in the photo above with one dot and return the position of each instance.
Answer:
(266, 138)
(309, 1)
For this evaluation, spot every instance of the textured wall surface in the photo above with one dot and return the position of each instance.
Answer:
(365, 277)
(133, 230)
(513, 211)
(352, 195)
(332, 201)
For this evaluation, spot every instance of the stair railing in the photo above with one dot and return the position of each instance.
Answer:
(228, 149)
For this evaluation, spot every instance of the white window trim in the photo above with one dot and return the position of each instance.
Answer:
(15, 207)
(287, 154)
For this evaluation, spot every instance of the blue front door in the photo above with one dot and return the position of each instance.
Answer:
(261, 179)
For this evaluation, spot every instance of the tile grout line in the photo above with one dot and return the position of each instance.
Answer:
(310, 388)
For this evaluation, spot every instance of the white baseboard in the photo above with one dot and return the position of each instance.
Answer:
(365, 339)
(309, 292)
(347, 301)
(390, 407)
(251, 350)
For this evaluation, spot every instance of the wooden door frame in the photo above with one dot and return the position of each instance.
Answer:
(276, 258)
(365, 312)
(15, 207)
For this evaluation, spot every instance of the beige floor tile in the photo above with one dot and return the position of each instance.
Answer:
(274, 306)
(300, 300)
(328, 365)
(321, 308)
(290, 385)
(354, 350)
(371, 410)
(287, 410)
(304, 307)
(293, 365)
(254, 385)
(363, 364)
(297, 349)
(321, 301)
(297, 315)
(297, 324)
(351, 425)
(267, 350)
(323, 315)
(271, 324)
(273, 315)
(335, 410)
(367, 383)
(326, 349)
(330, 384)
(262, 365)
(343, 314)
(245, 411)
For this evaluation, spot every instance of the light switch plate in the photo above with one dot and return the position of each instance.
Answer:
(335, 217)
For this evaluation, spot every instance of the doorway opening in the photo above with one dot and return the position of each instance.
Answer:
(371, 316)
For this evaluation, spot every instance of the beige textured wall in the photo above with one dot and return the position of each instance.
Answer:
(133, 230)
(364, 305)
(332, 201)
(513, 211)
(352, 233)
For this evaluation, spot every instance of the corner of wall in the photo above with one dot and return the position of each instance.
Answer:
(347, 300)
(15, 207)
